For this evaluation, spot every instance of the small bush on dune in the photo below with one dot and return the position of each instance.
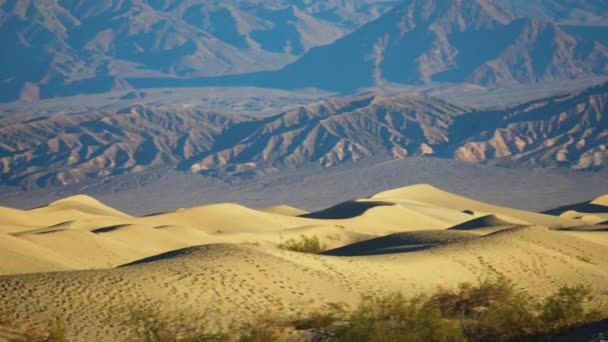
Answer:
(503, 322)
(263, 330)
(54, 330)
(489, 311)
(394, 318)
(467, 300)
(310, 245)
(321, 318)
(568, 307)
(148, 325)
(57, 331)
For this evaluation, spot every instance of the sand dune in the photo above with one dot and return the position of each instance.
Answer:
(488, 224)
(401, 242)
(285, 210)
(93, 235)
(602, 200)
(219, 264)
(429, 194)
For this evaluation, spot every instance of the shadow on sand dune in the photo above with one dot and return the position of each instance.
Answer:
(401, 242)
(346, 210)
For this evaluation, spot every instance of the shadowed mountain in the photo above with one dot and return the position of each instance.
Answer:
(58, 48)
(578, 12)
(61, 48)
(472, 41)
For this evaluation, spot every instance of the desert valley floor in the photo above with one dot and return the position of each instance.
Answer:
(90, 264)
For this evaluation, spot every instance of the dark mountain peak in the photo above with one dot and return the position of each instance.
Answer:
(465, 41)
(451, 16)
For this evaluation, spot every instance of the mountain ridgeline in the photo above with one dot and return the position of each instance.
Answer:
(469, 41)
(71, 47)
(568, 131)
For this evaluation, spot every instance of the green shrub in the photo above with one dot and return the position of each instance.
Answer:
(310, 245)
(149, 327)
(262, 330)
(53, 331)
(468, 300)
(57, 331)
(324, 317)
(394, 318)
(504, 321)
(568, 307)
(489, 311)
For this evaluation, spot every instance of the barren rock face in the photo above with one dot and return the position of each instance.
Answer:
(58, 48)
(483, 42)
(569, 130)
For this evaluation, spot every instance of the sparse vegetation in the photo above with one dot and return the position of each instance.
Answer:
(324, 317)
(584, 258)
(57, 331)
(150, 327)
(568, 308)
(395, 318)
(251, 243)
(310, 245)
(53, 331)
(262, 330)
(493, 310)
(490, 311)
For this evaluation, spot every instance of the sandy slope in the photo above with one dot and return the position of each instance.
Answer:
(83, 233)
(429, 194)
(219, 264)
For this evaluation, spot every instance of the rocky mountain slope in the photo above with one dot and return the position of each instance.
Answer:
(569, 131)
(67, 148)
(64, 47)
(569, 12)
(69, 47)
(469, 41)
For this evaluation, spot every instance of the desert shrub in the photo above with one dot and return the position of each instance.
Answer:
(489, 311)
(149, 327)
(54, 330)
(394, 318)
(251, 243)
(266, 329)
(584, 258)
(496, 311)
(57, 331)
(568, 307)
(306, 244)
(504, 321)
(468, 300)
(325, 316)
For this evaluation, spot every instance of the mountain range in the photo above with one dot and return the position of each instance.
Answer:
(470, 41)
(66, 47)
(567, 130)
(70, 47)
